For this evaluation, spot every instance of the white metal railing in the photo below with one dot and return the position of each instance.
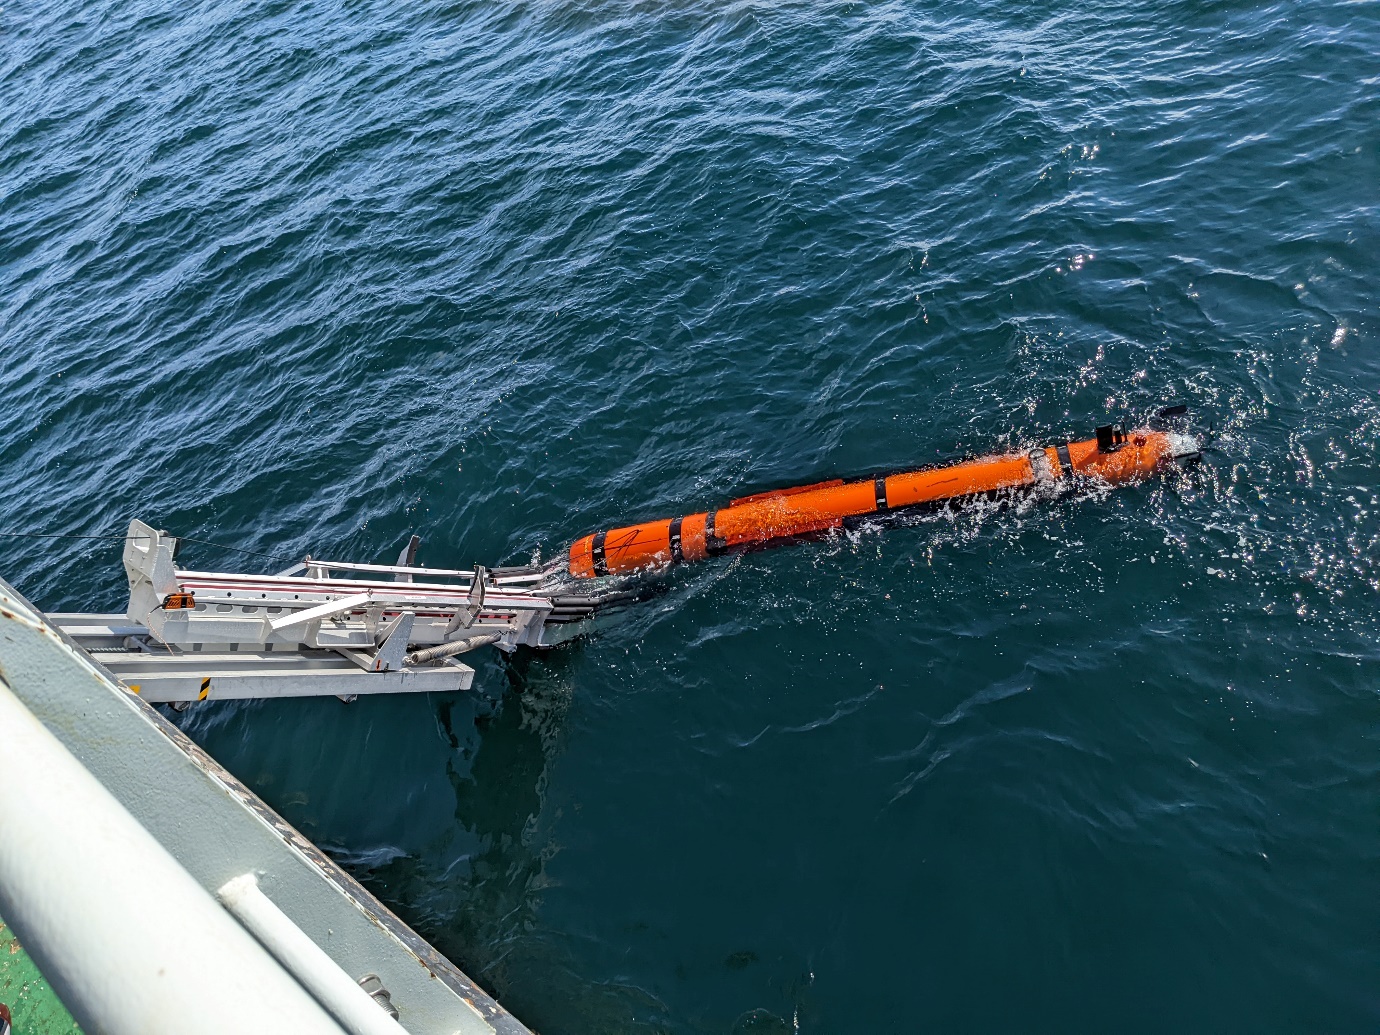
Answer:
(306, 960)
(131, 943)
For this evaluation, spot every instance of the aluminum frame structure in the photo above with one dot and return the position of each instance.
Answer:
(317, 628)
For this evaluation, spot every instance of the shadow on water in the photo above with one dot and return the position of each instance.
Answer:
(476, 897)
(500, 750)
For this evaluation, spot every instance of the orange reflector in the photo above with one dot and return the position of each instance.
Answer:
(179, 602)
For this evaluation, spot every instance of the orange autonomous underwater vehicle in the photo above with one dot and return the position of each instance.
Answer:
(767, 518)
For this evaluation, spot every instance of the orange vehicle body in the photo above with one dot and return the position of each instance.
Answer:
(783, 514)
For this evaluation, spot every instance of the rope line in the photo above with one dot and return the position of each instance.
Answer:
(184, 539)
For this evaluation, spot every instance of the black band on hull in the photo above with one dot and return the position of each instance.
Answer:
(596, 549)
(677, 554)
(713, 545)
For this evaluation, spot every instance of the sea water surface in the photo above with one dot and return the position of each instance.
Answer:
(309, 278)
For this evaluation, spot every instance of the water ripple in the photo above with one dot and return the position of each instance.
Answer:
(312, 279)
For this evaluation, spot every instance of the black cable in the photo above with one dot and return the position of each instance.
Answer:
(184, 539)
(236, 549)
(63, 535)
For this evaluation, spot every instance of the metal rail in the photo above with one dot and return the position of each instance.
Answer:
(128, 939)
(194, 635)
(355, 1008)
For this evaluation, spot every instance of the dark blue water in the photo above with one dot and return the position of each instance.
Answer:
(310, 278)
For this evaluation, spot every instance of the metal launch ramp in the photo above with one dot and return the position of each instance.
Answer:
(319, 627)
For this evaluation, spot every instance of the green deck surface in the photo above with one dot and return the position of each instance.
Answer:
(34, 1006)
